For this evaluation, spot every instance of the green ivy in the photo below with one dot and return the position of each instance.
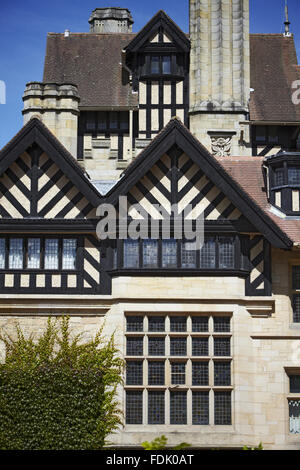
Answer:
(161, 443)
(58, 392)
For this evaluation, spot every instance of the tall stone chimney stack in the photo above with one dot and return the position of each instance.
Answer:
(220, 74)
(111, 20)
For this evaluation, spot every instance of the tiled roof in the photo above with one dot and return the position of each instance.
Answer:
(274, 68)
(94, 63)
(248, 173)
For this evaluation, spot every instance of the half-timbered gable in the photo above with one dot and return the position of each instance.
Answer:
(159, 59)
(176, 169)
(47, 217)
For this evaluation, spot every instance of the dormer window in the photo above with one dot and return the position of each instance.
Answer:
(284, 182)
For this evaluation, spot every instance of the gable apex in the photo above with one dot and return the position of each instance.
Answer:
(173, 32)
(36, 133)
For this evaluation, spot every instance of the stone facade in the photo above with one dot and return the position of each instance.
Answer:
(57, 106)
(220, 70)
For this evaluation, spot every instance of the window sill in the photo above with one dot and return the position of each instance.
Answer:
(179, 272)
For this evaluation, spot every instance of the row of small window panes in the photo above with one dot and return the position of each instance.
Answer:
(296, 308)
(156, 374)
(178, 346)
(178, 403)
(28, 253)
(293, 176)
(221, 324)
(106, 121)
(218, 252)
(266, 134)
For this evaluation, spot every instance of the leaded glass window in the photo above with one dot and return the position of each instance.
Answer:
(34, 253)
(134, 323)
(200, 408)
(199, 346)
(222, 373)
(156, 323)
(169, 254)
(200, 373)
(156, 373)
(51, 253)
(134, 373)
(178, 346)
(166, 65)
(178, 408)
(131, 253)
(134, 346)
(134, 407)
(226, 252)
(69, 254)
(16, 253)
(178, 323)
(150, 253)
(156, 346)
(208, 254)
(222, 408)
(188, 255)
(222, 346)
(2, 253)
(177, 373)
(294, 175)
(156, 407)
(221, 324)
(199, 324)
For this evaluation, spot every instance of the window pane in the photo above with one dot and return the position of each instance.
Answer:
(90, 121)
(69, 254)
(134, 346)
(34, 253)
(178, 346)
(294, 175)
(296, 308)
(166, 65)
(178, 323)
(2, 253)
(208, 254)
(178, 414)
(134, 407)
(222, 346)
(156, 373)
(101, 120)
(113, 120)
(154, 64)
(178, 373)
(260, 134)
(200, 373)
(150, 253)
(296, 277)
(51, 253)
(156, 407)
(134, 373)
(273, 134)
(131, 253)
(200, 408)
(134, 323)
(16, 253)
(200, 346)
(226, 252)
(169, 254)
(188, 255)
(294, 413)
(199, 324)
(295, 383)
(279, 177)
(221, 324)
(222, 373)
(156, 346)
(222, 408)
(124, 120)
(156, 323)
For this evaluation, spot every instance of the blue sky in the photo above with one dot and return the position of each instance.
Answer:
(24, 26)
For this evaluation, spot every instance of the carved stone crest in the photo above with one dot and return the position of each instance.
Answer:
(221, 145)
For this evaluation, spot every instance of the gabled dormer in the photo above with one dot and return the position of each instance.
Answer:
(159, 59)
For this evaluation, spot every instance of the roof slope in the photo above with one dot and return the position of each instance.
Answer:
(273, 61)
(247, 172)
(94, 63)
